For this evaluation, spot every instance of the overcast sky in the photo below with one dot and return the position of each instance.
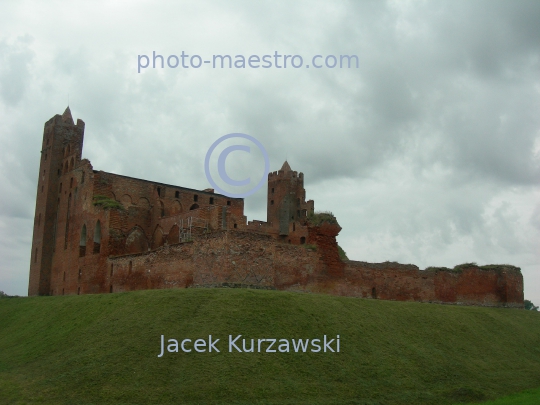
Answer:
(427, 153)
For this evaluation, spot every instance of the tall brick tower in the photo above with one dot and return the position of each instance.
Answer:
(61, 151)
(286, 199)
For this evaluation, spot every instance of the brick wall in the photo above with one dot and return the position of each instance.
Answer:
(234, 258)
(81, 248)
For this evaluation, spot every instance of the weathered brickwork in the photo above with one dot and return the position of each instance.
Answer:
(225, 257)
(98, 232)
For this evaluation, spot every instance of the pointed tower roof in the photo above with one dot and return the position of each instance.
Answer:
(286, 167)
(66, 117)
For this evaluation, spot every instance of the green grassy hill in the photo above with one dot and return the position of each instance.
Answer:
(528, 397)
(102, 349)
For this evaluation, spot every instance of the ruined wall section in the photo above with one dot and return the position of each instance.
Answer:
(238, 259)
(480, 285)
(323, 236)
(222, 258)
(155, 213)
(389, 281)
(470, 285)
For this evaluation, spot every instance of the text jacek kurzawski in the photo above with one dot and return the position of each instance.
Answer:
(238, 344)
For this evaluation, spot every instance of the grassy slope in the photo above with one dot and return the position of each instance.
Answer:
(102, 349)
(529, 397)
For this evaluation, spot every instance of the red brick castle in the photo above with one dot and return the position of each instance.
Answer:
(99, 232)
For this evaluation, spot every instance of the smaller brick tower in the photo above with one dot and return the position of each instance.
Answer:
(60, 152)
(286, 204)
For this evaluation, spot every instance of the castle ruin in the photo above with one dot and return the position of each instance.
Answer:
(99, 232)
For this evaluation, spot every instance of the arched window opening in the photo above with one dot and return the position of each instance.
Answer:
(71, 164)
(303, 240)
(71, 183)
(136, 241)
(194, 207)
(159, 191)
(162, 213)
(69, 149)
(110, 288)
(158, 239)
(82, 178)
(271, 202)
(174, 235)
(97, 237)
(177, 194)
(373, 293)
(211, 200)
(195, 197)
(228, 203)
(82, 243)
(175, 208)
(235, 225)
